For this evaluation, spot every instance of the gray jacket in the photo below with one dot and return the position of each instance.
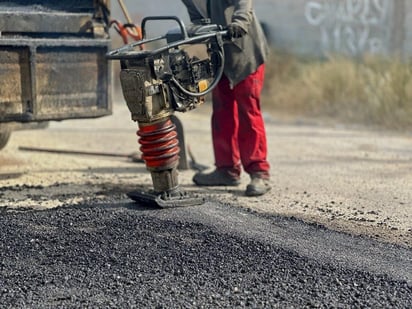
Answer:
(244, 55)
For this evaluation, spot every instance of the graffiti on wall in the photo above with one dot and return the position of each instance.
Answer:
(351, 27)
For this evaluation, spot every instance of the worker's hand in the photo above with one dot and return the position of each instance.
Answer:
(235, 31)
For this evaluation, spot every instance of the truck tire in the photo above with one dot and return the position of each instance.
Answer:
(5, 133)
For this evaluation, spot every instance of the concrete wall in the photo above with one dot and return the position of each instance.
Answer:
(319, 27)
(407, 30)
(350, 27)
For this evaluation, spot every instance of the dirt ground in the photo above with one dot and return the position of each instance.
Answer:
(355, 180)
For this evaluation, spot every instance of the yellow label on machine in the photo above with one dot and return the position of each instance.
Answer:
(203, 85)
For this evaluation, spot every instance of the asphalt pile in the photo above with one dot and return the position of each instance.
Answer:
(108, 257)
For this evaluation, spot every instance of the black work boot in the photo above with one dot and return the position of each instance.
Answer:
(258, 185)
(216, 178)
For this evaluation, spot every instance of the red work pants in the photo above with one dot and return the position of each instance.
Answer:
(238, 131)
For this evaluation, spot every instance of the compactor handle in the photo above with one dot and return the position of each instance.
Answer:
(175, 18)
(203, 33)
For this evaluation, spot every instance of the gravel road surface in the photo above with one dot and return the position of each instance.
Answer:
(355, 180)
(117, 254)
(334, 231)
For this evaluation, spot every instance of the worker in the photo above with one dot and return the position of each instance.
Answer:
(238, 130)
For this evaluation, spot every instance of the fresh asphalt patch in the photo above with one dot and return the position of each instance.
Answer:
(119, 254)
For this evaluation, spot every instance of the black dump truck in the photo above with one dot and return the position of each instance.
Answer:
(52, 62)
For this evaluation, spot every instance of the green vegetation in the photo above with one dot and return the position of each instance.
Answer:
(370, 91)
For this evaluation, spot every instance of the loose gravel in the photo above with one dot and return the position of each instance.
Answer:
(93, 256)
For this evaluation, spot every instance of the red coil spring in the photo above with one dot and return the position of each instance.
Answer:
(159, 144)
